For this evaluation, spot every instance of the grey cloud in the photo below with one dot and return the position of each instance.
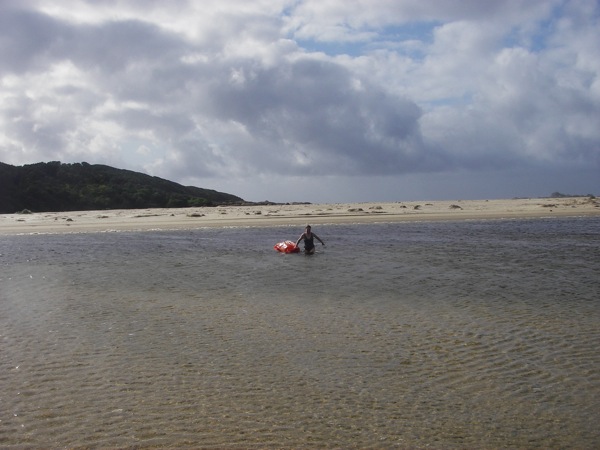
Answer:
(34, 136)
(306, 115)
(24, 38)
(32, 41)
(315, 105)
(166, 125)
(207, 109)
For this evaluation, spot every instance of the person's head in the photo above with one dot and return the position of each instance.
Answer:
(308, 228)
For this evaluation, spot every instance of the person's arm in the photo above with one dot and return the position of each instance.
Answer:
(319, 239)
(299, 239)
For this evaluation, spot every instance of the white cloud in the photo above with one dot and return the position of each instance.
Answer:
(319, 90)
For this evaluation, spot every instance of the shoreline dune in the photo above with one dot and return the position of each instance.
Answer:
(294, 215)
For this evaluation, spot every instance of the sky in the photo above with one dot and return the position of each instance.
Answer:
(321, 101)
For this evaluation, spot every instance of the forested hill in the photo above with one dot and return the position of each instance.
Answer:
(55, 186)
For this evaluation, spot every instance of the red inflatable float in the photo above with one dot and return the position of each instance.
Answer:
(287, 247)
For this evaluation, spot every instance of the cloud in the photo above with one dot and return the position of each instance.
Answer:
(363, 20)
(320, 115)
(316, 90)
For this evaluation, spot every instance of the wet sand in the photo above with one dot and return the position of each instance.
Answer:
(294, 214)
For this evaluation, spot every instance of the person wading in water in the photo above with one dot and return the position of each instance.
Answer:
(309, 244)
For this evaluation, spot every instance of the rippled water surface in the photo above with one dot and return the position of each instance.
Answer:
(448, 335)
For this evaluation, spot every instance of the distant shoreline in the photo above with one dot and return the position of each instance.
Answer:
(267, 214)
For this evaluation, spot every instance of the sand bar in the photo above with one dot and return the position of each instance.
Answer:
(294, 215)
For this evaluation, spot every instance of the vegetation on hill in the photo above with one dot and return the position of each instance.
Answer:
(55, 186)
(560, 195)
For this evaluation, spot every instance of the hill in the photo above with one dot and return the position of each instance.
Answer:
(54, 186)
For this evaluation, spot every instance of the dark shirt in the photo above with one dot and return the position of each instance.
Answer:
(309, 242)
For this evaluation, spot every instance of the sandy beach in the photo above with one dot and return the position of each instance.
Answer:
(294, 214)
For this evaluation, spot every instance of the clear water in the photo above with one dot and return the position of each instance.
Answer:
(444, 334)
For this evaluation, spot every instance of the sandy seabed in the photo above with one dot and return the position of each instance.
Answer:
(293, 214)
(443, 335)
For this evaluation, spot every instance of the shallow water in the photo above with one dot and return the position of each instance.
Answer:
(444, 334)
